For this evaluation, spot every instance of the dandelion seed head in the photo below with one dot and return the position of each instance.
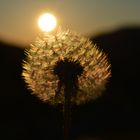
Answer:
(51, 54)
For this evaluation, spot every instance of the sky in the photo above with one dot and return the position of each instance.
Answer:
(18, 18)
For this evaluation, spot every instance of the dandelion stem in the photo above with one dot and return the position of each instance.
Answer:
(67, 112)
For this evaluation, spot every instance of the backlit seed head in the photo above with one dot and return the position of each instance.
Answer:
(65, 58)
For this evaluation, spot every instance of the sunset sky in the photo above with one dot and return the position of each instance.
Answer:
(18, 18)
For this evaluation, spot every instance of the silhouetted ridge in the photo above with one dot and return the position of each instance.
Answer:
(23, 116)
(121, 100)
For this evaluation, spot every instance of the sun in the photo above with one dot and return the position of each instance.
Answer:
(47, 22)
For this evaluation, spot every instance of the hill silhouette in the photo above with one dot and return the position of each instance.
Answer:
(23, 116)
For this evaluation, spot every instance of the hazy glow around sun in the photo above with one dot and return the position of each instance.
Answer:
(47, 22)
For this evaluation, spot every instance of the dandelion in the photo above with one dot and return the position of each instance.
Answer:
(65, 68)
(65, 59)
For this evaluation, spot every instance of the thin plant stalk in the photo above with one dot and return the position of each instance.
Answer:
(67, 112)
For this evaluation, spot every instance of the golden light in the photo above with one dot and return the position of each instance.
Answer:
(47, 22)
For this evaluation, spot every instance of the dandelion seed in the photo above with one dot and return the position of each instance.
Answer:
(65, 58)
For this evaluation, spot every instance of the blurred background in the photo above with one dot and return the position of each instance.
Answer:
(114, 25)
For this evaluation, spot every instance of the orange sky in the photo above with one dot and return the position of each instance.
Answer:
(18, 18)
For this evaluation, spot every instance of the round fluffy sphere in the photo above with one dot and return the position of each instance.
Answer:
(41, 58)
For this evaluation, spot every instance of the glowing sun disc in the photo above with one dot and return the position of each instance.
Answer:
(47, 22)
